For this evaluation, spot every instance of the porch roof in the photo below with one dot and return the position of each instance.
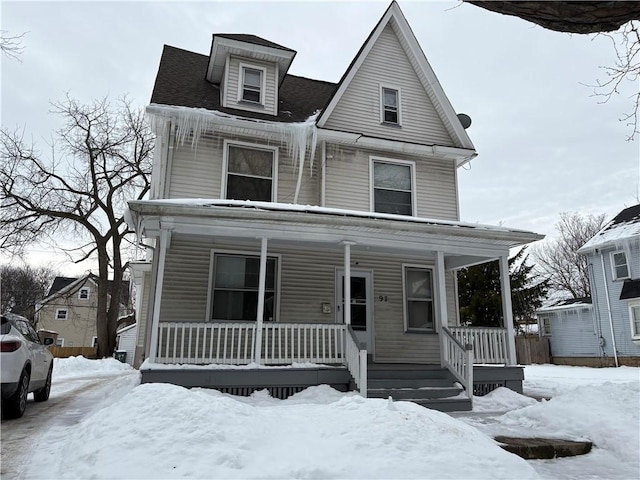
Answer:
(307, 223)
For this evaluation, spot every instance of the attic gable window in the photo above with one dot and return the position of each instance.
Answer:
(620, 265)
(83, 294)
(390, 105)
(250, 172)
(251, 89)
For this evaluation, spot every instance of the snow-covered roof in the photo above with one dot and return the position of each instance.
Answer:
(569, 304)
(622, 227)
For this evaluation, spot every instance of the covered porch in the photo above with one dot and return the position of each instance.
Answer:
(272, 341)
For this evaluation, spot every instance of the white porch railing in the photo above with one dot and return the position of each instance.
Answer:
(489, 343)
(356, 361)
(458, 358)
(233, 343)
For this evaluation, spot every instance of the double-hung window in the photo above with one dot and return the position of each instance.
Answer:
(61, 314)
(83, 294)
(392, 187)
(545, 326)
(390, 105)
(418, 299)
(251, 85)
(634, 314)
(235, 287)
(250, 173)
(620, 265)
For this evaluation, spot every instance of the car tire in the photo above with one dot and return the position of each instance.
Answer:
(42, 395)
(15, 405)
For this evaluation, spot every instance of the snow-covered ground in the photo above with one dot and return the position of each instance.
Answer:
(165, 431)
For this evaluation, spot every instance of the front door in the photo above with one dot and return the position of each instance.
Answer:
(361, 317)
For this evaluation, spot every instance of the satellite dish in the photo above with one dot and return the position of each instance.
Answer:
(465, 120)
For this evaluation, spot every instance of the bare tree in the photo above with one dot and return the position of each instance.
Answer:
(22, 286)
(616, 20)
(567, 270)
(100, 158)
(11, 45)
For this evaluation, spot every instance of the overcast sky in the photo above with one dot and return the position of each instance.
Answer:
(545, 144)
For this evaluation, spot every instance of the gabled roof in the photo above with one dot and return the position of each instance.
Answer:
(394, 17)
(623, 226)
(62, 285)
(181, 82)
(248, 38)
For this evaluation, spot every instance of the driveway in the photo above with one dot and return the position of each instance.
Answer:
(71, 400)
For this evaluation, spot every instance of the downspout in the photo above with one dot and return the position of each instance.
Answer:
(606, 292)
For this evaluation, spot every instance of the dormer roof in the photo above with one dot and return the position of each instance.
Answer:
(246, 46)
(181, 82)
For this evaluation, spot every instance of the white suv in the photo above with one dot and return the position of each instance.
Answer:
(25, 365)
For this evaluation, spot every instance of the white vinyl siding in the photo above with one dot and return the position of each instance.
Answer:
(197, 171)
(348, 183)
(307, 281)
(234, 82)
(359, 108)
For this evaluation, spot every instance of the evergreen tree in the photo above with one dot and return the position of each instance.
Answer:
(480, 297)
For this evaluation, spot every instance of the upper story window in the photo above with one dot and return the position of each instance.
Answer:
(620, 265)
(251, 84)
(250, 173)
(392, 187)
(418, 299)
(390, 105)
(61, 314)
(83, 294)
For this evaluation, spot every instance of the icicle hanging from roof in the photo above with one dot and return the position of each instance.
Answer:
(193, 122)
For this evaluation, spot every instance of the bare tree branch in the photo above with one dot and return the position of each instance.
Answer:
(100, 158)
(11, 45)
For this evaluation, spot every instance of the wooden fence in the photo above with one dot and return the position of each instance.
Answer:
(65, 352)
(532, 349)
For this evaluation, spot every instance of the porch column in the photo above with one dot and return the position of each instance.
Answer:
(165, 238)
(441, 292)
(261, 287)
(507, 313)
(346, 314)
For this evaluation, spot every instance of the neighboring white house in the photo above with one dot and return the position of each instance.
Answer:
(126, 342)
(604, 329)
(269, 189)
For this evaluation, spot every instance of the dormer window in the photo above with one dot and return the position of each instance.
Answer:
(390, 105)
(251, 88)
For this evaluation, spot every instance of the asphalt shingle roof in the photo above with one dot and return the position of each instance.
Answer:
(623, 226)
(181, 82)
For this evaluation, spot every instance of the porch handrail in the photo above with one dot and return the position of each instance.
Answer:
(489, 343)
(458, 359)
(356, 360)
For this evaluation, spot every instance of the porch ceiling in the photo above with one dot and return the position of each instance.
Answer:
(463, 243)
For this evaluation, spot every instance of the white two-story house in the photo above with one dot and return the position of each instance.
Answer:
(269, 190)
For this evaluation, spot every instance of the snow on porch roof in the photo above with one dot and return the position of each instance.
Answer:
(287, 207)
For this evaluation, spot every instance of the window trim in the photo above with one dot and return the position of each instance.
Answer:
(247, 253)
(382, 105)
(88, 290)
(543, 330)
(613, 265)
(263, 83)
(254, 146)
(59, 342)
(405, 299)
(66, 313)
(372, 197)
(633, 304)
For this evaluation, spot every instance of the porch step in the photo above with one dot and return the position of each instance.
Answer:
(422, 393)
(428, 385)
